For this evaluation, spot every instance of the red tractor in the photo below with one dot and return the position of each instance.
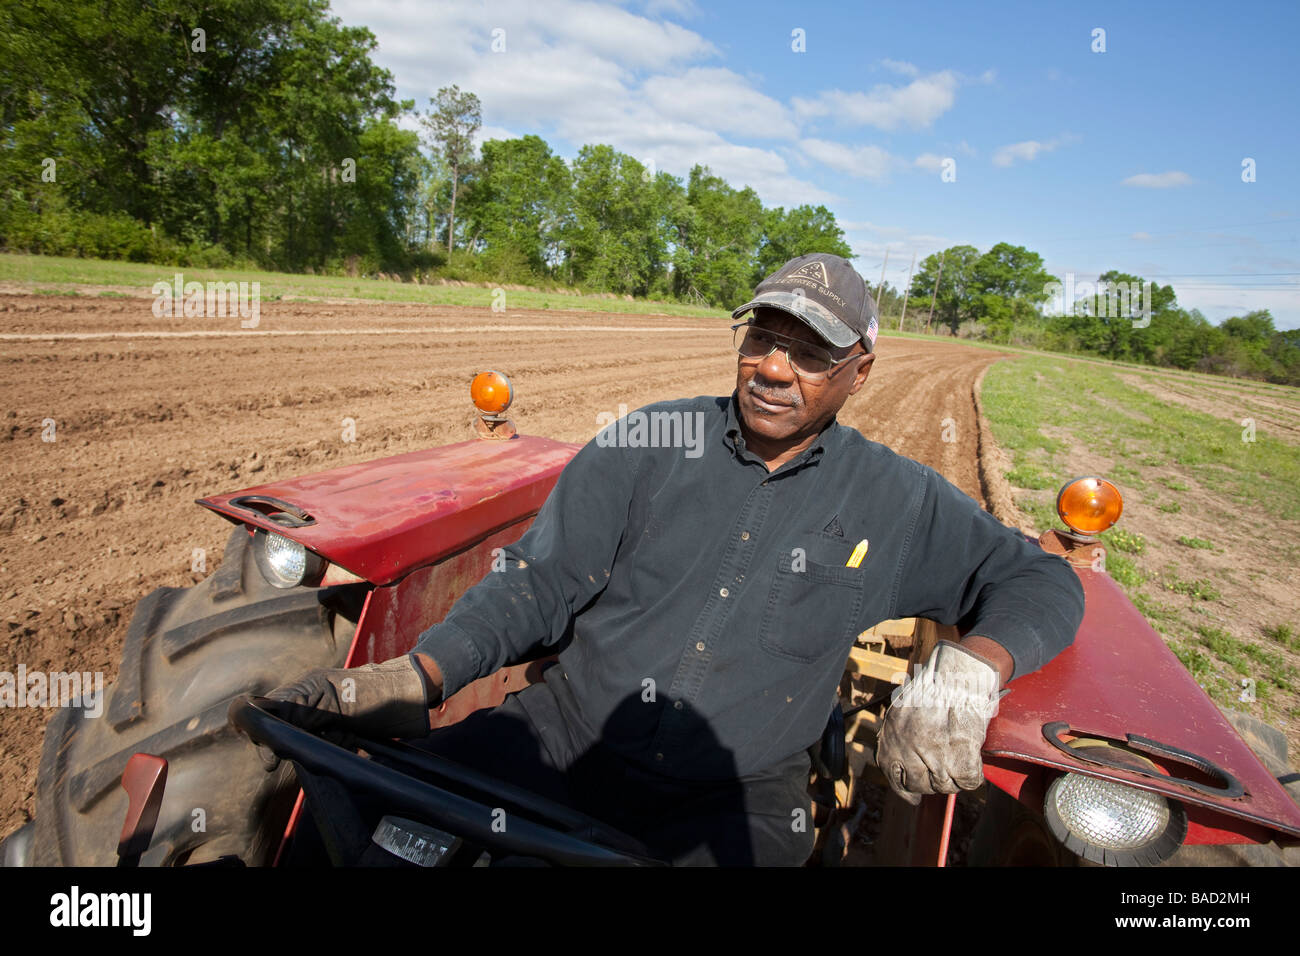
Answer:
(1110, 754)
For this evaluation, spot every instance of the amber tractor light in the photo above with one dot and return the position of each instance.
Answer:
(1089, 505)
(492, 394)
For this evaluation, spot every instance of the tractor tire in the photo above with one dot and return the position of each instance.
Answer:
(1270, 746)
(188, 652)
(1009, 834)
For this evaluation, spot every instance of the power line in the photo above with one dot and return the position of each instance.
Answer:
(1228, 275)
(1176, 232)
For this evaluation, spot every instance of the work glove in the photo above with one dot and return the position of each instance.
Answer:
(384, 700)
(933, 731)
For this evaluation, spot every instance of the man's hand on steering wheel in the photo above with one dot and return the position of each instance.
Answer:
(390, 699)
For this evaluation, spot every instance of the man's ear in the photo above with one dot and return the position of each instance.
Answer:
(864, 369)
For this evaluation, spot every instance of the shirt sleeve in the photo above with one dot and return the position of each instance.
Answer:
(960, 563)
(560, 564)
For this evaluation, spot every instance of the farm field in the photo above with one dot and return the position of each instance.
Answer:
(1208, 546)
(149, 414)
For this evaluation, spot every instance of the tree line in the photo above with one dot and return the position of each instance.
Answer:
(262, 134)
(229, 133)
(1005, 295)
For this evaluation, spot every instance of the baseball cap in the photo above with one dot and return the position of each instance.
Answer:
(824, 292)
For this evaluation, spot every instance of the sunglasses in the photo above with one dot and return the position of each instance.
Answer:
(809, 362)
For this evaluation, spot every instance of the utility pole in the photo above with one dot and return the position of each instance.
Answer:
(907, 290)
(935, 290)
(882, 279)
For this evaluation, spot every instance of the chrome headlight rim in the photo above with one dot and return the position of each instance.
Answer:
(313, 565)
(1156, 850)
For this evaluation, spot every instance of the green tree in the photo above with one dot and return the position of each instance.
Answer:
(717, 241)
(802, 230)
(253, 135)
(1283, 350)
(451, 126)
(954, 302)
(673, 221)
(520, 202)
(613, 241)
(1117, 307)
(88, 85)
(1010, 284)
(1246, 343)
(1012, 272)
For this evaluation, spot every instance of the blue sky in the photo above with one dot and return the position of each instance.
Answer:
(1129, 158)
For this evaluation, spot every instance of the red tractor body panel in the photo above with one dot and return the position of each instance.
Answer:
(1119, 678)
(423, 527)
(382, 519)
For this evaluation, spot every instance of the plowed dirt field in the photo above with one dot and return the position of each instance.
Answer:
(147, 414)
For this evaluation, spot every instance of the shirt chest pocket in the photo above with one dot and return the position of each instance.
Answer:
(813, 608)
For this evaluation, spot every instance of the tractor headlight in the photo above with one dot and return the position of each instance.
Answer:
(1113, 823)
(283, 562)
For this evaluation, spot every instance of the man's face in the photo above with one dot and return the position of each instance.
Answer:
(782, 410)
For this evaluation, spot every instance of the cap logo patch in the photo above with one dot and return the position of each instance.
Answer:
(815, 270)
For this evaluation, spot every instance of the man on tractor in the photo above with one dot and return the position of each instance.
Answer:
(703, 605)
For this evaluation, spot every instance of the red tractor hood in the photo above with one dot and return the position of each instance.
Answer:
(1117, 679)
(381, 519)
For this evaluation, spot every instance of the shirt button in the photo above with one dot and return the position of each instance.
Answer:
(699, 645)
(744, 536)
(723, 591)
(677, 705)
(659, 756)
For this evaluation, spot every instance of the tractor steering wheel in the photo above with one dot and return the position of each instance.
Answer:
(537, 827)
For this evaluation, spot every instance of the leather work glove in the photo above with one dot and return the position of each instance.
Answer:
(383, 700)
(933, 731)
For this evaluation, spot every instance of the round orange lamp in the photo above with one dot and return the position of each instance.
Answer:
(492, 393)
(1089, 505)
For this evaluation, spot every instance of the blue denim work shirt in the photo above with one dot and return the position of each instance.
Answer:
(703, 605)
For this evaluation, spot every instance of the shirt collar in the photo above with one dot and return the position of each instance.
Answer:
(735, 439)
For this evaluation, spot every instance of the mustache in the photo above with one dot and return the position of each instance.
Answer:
(793, 399)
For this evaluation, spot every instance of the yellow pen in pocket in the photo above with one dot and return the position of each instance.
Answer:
(860, 552)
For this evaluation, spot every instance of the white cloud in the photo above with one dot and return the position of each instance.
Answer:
(632, 125)
(929, 161)
(720, 100)
(870, 241)
(899, 66)
(1160, 180)
(618, 35)
(444, 39)
(523, 87)
(1030, 149)
(1140, 235)
(486, 133)
(1026, 151)
(866, 162)
(592, 73)
(917, 105)
(686, 9)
